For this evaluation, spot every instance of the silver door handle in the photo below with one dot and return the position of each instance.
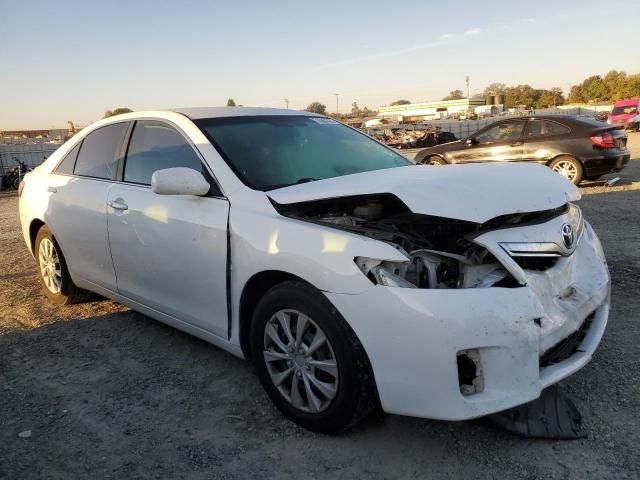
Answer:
(117, 205)
(52, 189)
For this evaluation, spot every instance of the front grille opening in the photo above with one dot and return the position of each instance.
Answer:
(567, 347)
(536, 263)
(470, 378)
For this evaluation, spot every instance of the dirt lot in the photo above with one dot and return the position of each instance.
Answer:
(108, 393)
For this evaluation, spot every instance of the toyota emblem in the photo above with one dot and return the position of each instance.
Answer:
(567, 235)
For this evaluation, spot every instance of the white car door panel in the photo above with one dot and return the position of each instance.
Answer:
(77, 216)
(77, 204)
(170, 253)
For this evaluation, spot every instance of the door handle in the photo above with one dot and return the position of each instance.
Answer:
(516, 144)
(52, 189)
(117, 205)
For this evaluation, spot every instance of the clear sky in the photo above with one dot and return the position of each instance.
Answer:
(72, 60)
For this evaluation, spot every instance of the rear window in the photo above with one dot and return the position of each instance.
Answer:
(66, 165)
(544, 128)
(98, 157)
(624, 110)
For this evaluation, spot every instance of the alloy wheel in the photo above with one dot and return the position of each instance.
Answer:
(566, 169)
(50, 268)
(300, 361)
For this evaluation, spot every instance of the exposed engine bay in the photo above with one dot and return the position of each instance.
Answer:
(440, 251)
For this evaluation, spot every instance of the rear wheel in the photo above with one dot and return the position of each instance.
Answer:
(569, 167)
(53, 273)
(309, 360)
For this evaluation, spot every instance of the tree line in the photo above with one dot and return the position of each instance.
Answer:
(615, 85)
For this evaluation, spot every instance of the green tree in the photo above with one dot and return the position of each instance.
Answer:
(454, 95)
(575, 94)
(495, 89)
(116, 111)
(355, 110)
(631, 87)
(231, 103)
(594, 89)
(521, 95)
(316, 107)
(400, 102)
(616, 82)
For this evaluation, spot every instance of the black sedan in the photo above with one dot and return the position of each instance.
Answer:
(579, 148)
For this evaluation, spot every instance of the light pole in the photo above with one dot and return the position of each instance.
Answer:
(466, 79)
(337, 95)
(286, 102)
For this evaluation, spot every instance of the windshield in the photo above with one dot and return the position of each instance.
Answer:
(624, 110)
(269, 152)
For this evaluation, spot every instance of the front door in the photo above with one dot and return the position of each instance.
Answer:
(499, 142)
(169, 251)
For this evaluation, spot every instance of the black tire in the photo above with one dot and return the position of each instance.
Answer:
(356, 395)
(579, 171)
(68, 293)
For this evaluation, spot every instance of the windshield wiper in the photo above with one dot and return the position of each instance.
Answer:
(297, 182)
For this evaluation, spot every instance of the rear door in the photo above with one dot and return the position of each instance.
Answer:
(77, 204)
(544, 139)
(499, 142)
(169, 251)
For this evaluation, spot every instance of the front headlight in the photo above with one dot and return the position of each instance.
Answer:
(383, 272)
(385, 276)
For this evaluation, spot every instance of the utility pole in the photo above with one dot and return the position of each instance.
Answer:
(467, 78)
(337, 95)
(286, 102)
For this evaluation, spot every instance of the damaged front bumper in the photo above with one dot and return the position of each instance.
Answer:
(422, 343)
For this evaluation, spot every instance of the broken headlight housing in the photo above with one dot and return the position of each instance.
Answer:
(434, 269)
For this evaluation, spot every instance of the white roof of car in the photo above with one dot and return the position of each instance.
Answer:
(195, 113)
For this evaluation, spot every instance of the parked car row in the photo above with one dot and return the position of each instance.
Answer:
(353, 279)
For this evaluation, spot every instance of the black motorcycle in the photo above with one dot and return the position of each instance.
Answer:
(12, 179)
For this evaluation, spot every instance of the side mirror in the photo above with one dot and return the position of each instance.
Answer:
(471, 141)
(179, 181)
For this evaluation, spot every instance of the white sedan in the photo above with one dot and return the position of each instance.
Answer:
(352, 278)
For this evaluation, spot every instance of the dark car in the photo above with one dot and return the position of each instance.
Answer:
(579, 148)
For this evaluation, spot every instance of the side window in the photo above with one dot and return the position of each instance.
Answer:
(155, 146)
(69, 161)
(502, 132)
(544, 128)
(98, 155)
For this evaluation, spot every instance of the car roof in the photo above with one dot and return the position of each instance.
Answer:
(195, 113)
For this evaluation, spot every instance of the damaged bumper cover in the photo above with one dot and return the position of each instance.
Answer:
(424, 344)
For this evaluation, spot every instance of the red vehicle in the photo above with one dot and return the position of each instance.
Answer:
(626, 113)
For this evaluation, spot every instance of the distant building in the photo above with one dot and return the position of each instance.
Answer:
(51, 134)
(417, 112)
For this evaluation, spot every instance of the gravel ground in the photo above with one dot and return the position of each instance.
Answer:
(98, 391)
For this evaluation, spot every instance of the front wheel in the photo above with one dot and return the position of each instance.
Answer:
(568, 167)
(309, 360)
(432, 160)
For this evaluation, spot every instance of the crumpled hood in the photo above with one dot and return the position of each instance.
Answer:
(475, 193)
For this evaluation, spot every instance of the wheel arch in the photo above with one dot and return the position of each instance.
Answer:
(35, 226)
(253, 290)
(432, 154)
